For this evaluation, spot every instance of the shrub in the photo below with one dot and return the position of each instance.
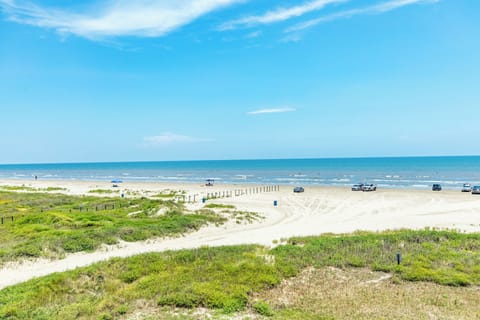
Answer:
(263, 308)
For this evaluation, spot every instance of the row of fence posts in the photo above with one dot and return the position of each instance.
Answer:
(227, 194)
(99, 207)
(241, 192)
(106, 206)
(3, 220)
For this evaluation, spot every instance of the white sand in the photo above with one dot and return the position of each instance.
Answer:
(318, 210)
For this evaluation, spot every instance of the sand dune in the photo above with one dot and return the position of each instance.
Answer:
(318, 210)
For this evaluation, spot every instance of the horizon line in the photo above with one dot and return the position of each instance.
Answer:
(226, 160)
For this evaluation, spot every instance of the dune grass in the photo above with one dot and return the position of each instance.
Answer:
(51, 225)
(219, 206)
(31, 189)
(103, 191)
(236, 278)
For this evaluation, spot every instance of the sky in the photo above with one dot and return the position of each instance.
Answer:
(146, 80)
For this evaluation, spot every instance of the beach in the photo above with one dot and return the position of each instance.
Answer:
(316, 211)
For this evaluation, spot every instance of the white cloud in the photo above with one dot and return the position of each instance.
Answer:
(375, 9)
(254, 34)
(276, 110)
(168, 138)
(142, 18)
(278, 15)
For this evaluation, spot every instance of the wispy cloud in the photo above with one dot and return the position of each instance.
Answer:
(375, 9)
(280, 14)
(275, 110)
(254, 34)
(142, 18)
(169, 138)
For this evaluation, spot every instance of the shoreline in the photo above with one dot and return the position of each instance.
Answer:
(189, 185)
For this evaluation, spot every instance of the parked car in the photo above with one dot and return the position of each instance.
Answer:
(436, 187)
(476, 190)
(369, 187)
(357, 187)
(467, 187)
(298, 189)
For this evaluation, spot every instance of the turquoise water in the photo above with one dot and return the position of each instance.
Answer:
(411, 172)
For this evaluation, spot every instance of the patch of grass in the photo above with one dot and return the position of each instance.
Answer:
(262, 308)
(51, 225)
(55, 189)
(18, 188)
(170, 194)
(103, 191)
(245, 216)
(219, 206)
(217, 278)
(31, 189)
(447, 258)
(232, 278)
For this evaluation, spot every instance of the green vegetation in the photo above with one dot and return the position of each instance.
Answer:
(237, 278)
(18, 188)
(236, 215)
(447, 258)
(55, 189)
(30, 189)
(263, 308)
(167, 194)
(219, 206)
(50, 225)
(103, 191)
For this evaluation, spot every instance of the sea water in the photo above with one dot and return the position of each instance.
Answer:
(404, 172)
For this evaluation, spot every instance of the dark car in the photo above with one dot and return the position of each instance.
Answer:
(476, 190)
(298, 189)
(436, 187)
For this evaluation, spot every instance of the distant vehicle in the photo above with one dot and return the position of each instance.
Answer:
(357, 187)
(467, 187)
(369, 187)
(436, 187)
(476, 190)
(298, 189)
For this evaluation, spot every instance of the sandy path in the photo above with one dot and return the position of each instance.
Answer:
(318, 210)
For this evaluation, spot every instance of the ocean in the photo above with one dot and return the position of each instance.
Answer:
(404, 172)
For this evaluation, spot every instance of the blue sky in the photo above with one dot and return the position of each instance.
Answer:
(236, 79)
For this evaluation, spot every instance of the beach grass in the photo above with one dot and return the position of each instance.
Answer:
(276, 283)
(52, 225)
(31, 189)
(219, 206)
(103, 191)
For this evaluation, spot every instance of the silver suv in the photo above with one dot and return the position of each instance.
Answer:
(369, 187)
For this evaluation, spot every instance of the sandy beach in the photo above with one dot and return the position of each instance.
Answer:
(318, 210)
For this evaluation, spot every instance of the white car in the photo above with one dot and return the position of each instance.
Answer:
(467, 187)
(369, 187)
